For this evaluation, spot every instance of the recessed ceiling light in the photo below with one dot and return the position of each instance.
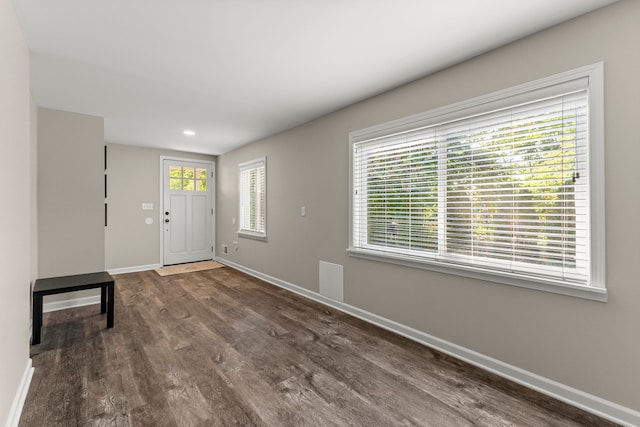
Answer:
(188, 132)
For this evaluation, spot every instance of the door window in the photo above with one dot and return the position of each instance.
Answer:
(187, 179)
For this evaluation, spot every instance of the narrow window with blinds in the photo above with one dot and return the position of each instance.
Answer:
(503, 187)
(252, 195)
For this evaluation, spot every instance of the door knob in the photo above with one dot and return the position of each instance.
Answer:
(166, 220)
(166, 213)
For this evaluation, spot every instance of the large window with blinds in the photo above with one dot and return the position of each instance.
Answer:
(504, 187)
(253, 201)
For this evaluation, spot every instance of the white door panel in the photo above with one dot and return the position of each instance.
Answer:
(198, 222)
(178, 226)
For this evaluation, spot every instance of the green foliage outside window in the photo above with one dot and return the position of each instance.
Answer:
(510, 193)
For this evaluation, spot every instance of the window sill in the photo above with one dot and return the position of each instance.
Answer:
(590, 293)
(252, 235)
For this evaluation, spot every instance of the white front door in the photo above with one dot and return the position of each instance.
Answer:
(187, 215)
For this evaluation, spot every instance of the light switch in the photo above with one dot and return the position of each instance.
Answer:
(303, 211)
(147, 206)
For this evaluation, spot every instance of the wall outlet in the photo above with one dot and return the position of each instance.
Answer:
(225, 249)
(235, 244)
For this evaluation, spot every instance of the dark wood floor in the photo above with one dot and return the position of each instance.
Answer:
(222, 348)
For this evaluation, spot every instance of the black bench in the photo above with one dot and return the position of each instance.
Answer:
(78, 282)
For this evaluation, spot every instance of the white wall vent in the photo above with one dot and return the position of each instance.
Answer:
(332, 281)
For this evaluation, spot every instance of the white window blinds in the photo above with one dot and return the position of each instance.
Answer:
(253, 198)
(504, 190)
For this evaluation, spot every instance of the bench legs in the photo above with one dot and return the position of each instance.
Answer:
(110, 298)
(106, 302)
(106, 306)
(37, 318)
(103, 298)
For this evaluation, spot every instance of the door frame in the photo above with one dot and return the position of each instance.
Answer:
(211, 189)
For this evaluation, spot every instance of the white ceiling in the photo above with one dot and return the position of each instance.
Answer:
(236, 71)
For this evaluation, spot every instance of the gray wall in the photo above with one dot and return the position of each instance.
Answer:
(33, 189)
(70, 195)
(15, 213)
(587, 345)
(133, 175)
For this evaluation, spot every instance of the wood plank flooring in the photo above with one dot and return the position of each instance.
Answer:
(220, 348)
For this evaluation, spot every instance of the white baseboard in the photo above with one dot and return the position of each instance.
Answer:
(133, 269)
(20, 397)
(70, 303)
(588, 402)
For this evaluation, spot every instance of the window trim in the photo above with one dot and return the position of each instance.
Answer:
(500, 99)
(252, 234)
